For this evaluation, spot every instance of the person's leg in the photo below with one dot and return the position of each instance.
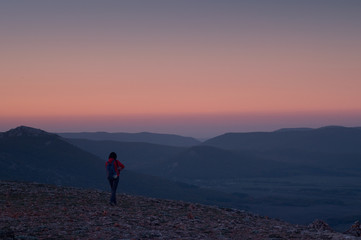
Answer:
(114, 190)
(111, 182)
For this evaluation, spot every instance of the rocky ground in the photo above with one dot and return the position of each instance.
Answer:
(37, 211)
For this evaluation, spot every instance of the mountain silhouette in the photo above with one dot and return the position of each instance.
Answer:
(146, 158)
(296, 175)
(30, 154)
(206, 162)
(331, 150)
(33, 155)
(331, 139)
(146, 137)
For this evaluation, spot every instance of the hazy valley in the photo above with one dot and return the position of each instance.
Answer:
(293, 174)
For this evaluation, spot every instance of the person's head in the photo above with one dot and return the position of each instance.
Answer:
(113, 155)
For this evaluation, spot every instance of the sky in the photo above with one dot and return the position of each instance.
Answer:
(194, 68)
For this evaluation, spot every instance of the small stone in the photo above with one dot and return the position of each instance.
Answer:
(355, 229)
(6, 233)
(320, 225)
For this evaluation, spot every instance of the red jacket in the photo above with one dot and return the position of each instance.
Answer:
(118, 166)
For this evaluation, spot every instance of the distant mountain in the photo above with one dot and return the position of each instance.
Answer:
(199, 162)
(141, 157)
(329, 150)
(296, 175)
(293, 129)
(29, 154)
(326, 140)
(205, 162)
(33, 155)
(155, 138)
(210, 163)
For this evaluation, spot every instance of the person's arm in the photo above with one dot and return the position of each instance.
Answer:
(121, 166)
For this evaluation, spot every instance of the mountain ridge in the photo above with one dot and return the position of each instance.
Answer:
(282, 182)
(26, 131)
(48, 158)
(138, 156)
(332, 138)
(155, 138)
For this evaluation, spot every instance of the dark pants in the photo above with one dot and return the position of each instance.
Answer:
(113, 185)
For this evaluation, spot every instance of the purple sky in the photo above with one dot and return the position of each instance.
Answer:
(197, 68)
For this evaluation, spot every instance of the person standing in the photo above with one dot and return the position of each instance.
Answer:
(113, 168)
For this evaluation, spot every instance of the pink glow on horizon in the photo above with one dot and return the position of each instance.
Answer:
(200, 126)
(227, 85)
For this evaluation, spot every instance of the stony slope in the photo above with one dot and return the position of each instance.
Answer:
(37, 211)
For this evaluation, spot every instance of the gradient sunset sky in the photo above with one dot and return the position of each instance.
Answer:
(195, 68)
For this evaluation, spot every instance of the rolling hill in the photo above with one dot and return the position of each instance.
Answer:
(138, 156)
(207, 162)
(331, 139)
(336, 150)
(28, 154)
(296, 175)
(33, 155)
(146, 137)
(210, 163)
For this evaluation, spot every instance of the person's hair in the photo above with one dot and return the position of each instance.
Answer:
(113, 155)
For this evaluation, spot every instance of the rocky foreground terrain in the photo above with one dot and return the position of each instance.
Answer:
(37, 211)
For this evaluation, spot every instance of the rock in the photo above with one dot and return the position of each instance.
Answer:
(7, 234)
(190, 215)
(320, 225)
(275, 237)
(355, 229)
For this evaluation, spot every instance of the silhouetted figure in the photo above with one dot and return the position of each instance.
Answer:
(113, 167)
